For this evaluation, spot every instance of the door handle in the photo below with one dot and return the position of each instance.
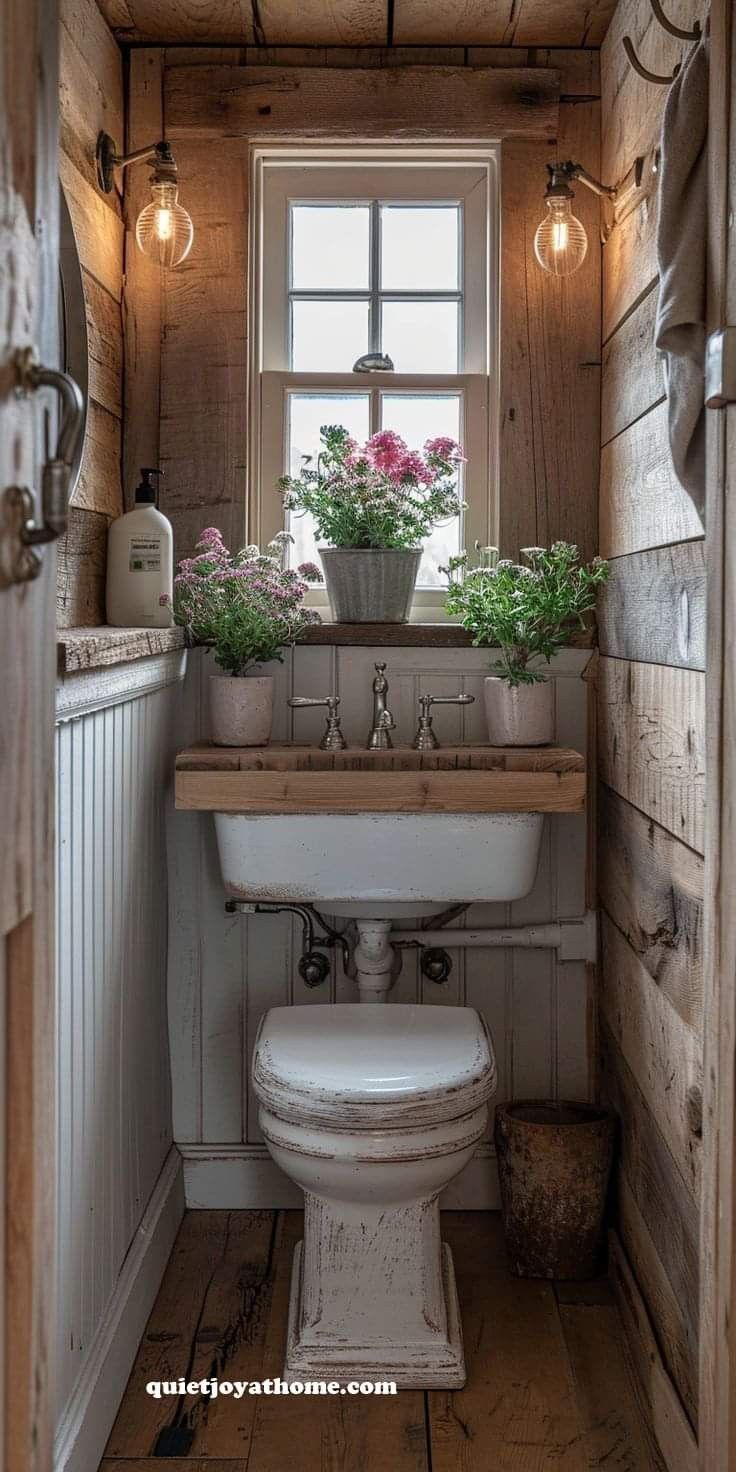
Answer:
(57, 468)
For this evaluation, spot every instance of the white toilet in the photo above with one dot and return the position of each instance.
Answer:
(372, 1110)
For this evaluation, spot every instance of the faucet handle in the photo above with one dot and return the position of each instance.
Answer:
(425, 739)
(333, 739)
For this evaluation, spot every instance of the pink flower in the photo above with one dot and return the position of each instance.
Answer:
(412, 465)
(444, 447)
(310, 571)
(385, 450)
(210, 537)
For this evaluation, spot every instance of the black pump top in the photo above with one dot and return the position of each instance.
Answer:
(145, 493)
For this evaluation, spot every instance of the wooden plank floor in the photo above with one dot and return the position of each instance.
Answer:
(548, 1388)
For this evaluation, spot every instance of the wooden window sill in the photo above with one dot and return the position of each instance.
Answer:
(95, 648)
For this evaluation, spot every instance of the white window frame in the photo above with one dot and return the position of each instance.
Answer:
(423, 174)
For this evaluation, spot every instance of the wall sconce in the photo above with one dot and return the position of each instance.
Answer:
(561, 241)
(163, 231)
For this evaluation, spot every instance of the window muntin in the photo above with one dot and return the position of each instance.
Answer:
(340, 269)
(390, 272)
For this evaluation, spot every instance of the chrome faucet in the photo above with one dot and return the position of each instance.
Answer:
(379, 737)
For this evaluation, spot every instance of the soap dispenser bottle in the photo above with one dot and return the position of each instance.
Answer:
(140, 562)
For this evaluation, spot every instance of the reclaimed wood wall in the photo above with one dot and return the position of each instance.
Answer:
(186, 337)
(651, 722)
(91, 98)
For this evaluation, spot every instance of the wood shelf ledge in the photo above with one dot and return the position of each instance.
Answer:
(96, 648)
(303, 779)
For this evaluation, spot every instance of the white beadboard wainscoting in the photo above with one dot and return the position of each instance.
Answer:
(120, 1196)
(225, 970)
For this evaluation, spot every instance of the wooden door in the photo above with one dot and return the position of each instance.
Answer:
(717, 1422)
(28, 318)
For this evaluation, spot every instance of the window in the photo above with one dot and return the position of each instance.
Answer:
(381, 251)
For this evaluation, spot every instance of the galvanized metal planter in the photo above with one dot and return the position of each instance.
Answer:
(370, 585)
(554, 1161)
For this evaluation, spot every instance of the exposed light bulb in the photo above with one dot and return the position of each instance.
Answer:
(164, 231)
(560, 243)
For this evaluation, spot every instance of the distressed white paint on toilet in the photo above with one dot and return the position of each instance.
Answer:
(372, 1110)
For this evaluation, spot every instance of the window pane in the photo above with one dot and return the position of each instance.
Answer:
(330, 247)
(418, 418)
(421, 337)
(307, 413)
(328, 336)
(420, 247)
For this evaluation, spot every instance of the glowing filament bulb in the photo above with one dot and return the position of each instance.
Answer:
(164, 230)
(560, 244)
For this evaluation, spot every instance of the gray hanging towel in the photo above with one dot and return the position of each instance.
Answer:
(681, 258)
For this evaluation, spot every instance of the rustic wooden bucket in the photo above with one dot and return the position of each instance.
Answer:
(554, 1161)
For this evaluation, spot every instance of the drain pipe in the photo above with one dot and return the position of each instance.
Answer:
(575, 940)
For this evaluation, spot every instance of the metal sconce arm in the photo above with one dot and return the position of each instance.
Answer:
(108, 160)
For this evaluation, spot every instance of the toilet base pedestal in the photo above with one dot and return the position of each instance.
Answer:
(437, 1363)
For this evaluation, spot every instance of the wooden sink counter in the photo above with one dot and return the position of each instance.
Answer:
(453, 779)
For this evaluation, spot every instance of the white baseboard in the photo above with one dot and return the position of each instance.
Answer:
(88, 1418)
(244, 1177)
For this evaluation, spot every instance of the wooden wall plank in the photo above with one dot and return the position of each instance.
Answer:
(105, 343)
(529, 23)
(651, 721)
(629, 256)
(97, 229)
(632, 106)
(349, 22)
(98, 487)
(91, 99)
(665, 1205)
(215, 102)
(653, 607)
(676, 1331)
(142, 304)
(550, 338)
(642, 503)
(671, 1427)
(632, 371)
(80, 571)
(663, 1053)
(651, 885)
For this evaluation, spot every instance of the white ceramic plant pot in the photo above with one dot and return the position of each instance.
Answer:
(241, 709)
(520, 715)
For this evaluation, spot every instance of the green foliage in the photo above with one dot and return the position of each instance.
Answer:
(527, 609)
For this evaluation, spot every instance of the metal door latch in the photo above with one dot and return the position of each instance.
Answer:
(720, 369)
(56, 472)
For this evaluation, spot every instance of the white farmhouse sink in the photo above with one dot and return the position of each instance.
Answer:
(383, 833)
(381, 864)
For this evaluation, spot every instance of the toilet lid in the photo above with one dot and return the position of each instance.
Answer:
(373, 1063)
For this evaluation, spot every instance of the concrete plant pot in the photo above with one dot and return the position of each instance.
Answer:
(241, 709)
(370, 585)
(519, 715)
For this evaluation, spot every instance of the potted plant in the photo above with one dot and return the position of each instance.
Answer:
(249, 607)
(373, 506)
(528, 610)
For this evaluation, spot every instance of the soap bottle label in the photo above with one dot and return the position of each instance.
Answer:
(145, 554)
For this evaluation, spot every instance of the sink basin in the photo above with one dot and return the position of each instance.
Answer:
(379, 859)
(384, 834)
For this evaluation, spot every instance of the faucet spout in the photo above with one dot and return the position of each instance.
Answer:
(379, 738)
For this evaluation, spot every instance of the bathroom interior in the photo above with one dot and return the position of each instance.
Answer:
(268, 1003)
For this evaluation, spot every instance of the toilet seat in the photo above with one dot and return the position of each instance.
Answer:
(373, 1065)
